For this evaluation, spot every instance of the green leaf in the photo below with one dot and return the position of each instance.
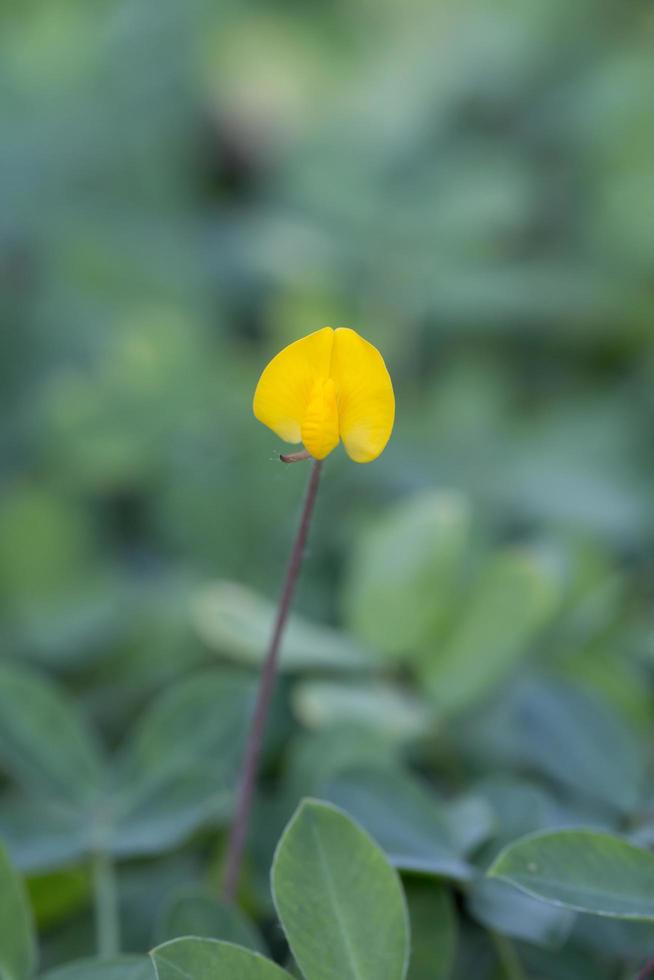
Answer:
(577, 739)
(433, 930)
(405, 819)
(569, 735)
(199, 717)
(396, 713)
(179, 768)
(618, 938)
(406, 573)
(196, 913)
(44, 742)
(316, 757)
(569, 963)
(339, 901)
(208, 959)
(582, 869)
(519, 807)
(512, 601)
(501, 908)
(17, 939)
(120, 968)
(237, 623)
(164, 809)
(43, 837)
(471, 822)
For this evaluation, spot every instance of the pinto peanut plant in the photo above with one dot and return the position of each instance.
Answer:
(425, 754)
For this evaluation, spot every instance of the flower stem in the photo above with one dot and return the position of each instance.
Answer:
(107, 922)
(250, 767)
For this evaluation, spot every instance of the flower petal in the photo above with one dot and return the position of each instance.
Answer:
(320, 423)
(287, 383)
(366, 403)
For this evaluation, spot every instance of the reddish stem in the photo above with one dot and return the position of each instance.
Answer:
(250, 768)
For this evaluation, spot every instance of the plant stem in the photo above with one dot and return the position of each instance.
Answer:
(506, 954)
(107, 922)
(647, 970)
(250, 767)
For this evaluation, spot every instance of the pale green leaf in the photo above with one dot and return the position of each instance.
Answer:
(384, 706)
(208, 959)
(511, 602)
(582, 869)
(339, 900)
(406, 573)
(237, 622)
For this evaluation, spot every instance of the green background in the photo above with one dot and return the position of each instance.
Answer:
(184, 188)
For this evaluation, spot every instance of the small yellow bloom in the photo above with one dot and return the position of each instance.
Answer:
(329, 386)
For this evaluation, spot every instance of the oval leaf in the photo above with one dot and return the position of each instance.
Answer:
(237, 622)
(339, 900)
(43, 740)
(377, 705)
(178, 769)
(403, 817)
(397, 605)
(207, 959)
(501, 908)
(43, 837)
(584, 870)
(576, 738)
(512, 601)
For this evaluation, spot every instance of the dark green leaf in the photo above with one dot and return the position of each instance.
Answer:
(43, 739)
(500, 907)
(403, 817)
(17, 940)
(42, 837)
(576, 738)
(433, 929)
(179, 768)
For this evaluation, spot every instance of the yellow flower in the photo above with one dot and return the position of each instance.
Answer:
(328, 386)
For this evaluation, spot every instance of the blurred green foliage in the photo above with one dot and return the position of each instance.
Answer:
(185, 187)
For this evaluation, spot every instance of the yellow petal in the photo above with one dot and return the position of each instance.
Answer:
(366, 403)
(286, 386)
(320, 424)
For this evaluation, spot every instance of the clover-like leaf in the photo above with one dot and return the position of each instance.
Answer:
(582, 869)
(338, 898)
